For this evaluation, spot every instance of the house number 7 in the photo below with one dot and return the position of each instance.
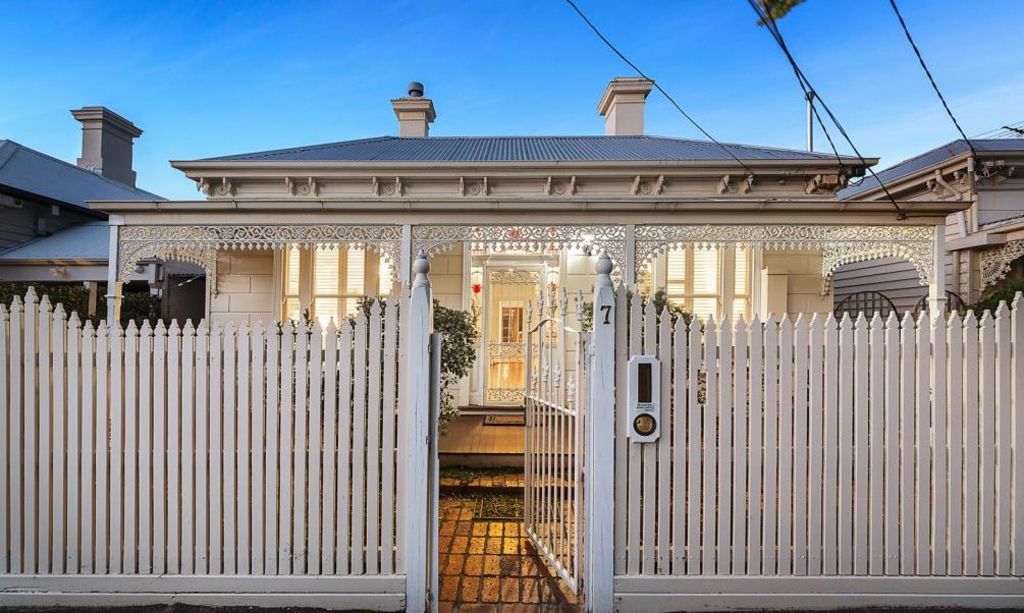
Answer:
(607, 310)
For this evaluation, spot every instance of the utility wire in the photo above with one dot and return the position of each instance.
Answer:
(658, 87)
(938, 92)
(773, 29)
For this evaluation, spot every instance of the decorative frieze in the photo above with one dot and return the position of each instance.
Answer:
(995, 262)
(609, 238)
(839, 244)
(198, 244)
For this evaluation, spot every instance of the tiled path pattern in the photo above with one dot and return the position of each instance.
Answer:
(489, 565)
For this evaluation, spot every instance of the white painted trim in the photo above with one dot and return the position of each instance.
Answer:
(334, 592)
(698, 592)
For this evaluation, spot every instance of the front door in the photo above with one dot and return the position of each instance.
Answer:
(508, 292)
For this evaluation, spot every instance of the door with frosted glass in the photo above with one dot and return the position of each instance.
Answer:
(507, 294)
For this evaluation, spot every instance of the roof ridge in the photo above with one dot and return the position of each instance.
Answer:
(334, 144)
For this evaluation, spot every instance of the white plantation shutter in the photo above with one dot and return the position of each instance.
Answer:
(706, 271)
(355, 279)
(741, 284)
(675, 276)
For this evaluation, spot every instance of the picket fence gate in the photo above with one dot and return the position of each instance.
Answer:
(214, 464)
(812, 462)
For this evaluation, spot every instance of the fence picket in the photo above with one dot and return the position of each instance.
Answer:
(130, 502)
(664, 515)
(387, 527)
(88, 523)
(972, 424)
(622, 324)
(724, 439)
(922, 448)
(679, 450)
(954, 341)
(242, 456)
(284, 530)
(189, 391)
(160, 400)
(258, 392)
(343, 554)
(373, 418)
(43, 505)
(145, 448)
(908, 360)
(204, 412)
(74, 455)
(785, 459)
(694, 365)
(800, 446)
(892, 444)
(1017, 339)
(1003, 426)
(986, 445)
(314, 451)
(58, 449)
(102, 447)
(358, 516)
(939, 445)
(741, 411)
(30, 422)
(860, 418)
(633, 479)
(173, 448)
(755, 449)
(115, 504)
(274, 441)
(875, 415)
(709, 552)
(216, 438)
(830, 538)
(770, 503)
(816, 446)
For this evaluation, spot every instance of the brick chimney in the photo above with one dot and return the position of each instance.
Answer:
(622, 106)
(415, 113)
(107, 140)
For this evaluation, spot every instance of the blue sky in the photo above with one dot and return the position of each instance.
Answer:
(215, 78)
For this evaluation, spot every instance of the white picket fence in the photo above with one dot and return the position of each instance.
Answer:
(263, 455)
(792, 449)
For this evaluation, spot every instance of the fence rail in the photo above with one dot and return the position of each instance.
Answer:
(874, 446)
(199, 450)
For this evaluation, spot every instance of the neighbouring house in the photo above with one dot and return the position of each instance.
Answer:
(724, 231)
(49, 234)
(984, 242)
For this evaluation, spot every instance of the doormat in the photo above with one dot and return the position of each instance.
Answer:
(505, 420)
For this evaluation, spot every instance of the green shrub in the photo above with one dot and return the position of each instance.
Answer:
(1004, 291)
(135, 306)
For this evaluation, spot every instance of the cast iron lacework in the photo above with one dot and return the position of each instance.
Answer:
(609, 238)
(995, 262)
(199, 244)
(839, 244)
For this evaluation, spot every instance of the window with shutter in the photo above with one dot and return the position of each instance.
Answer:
(327, 281)
(695, 280)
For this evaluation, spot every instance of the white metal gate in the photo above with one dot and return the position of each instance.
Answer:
(556, 360)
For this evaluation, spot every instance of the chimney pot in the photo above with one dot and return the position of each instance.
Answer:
(107, 142)
(415, 112)
(622, 106)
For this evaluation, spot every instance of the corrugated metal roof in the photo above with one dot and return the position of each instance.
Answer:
(930, 158)
(87, 241)
(34, 172)
(522, 149)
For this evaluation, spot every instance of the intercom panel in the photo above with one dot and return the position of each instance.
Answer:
(644, 399)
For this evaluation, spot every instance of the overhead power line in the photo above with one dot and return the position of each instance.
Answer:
(657, 86)
(935, 86)
(805, 83)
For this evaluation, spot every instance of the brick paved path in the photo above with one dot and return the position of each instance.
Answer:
(490, 566)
